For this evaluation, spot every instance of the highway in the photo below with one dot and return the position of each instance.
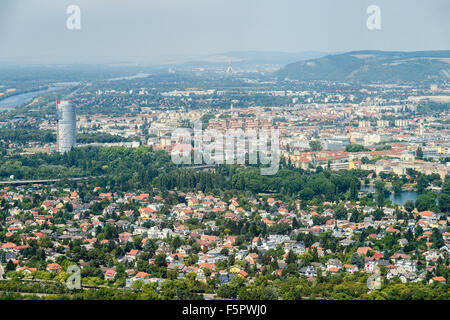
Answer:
(5, 182)
(43, 181)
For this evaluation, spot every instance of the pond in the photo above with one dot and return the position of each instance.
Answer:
(399, 199)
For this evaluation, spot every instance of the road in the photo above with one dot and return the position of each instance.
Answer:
(203, 167)
(83, 286)
(200, 167)
(43, 181)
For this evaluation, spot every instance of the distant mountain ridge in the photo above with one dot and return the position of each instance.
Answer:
(248, 59)
(372, 66)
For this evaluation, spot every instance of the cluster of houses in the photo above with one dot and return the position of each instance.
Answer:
(37, 223)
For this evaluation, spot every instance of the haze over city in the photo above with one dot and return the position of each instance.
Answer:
(157, 31)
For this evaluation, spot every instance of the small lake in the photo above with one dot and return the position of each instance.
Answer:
(19, 99)
(399, 199)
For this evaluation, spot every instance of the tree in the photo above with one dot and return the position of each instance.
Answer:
(422, 184)
(270, 293)
(397, 187)
(225, 291)
(341, 213)
(444, 202)
(409, 235)
(306, 194)
(172, 274)
(231, 259)
(418, 232)
(409, 206)
(355, 216)
(426, 201)
(357, 259)
(160, 260)
(436, 238)
(379, 187)
(380, 199)
(355, 148)
(10, 266)
(446, 186)
(176, 242)
(354, 191)
(315, 145)
(419, 153)
(378, 214)
(291, 257)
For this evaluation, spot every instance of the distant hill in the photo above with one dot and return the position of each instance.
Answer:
(251, 59)
(372, 66)
(273, 57)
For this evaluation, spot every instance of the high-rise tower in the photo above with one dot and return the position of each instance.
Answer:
(66, 126)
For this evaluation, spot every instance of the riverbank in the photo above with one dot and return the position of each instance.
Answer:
(14, 101)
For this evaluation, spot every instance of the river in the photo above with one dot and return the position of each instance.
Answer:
(136, 76)
(21, 98)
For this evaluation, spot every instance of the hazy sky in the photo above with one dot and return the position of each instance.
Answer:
(154, 30)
